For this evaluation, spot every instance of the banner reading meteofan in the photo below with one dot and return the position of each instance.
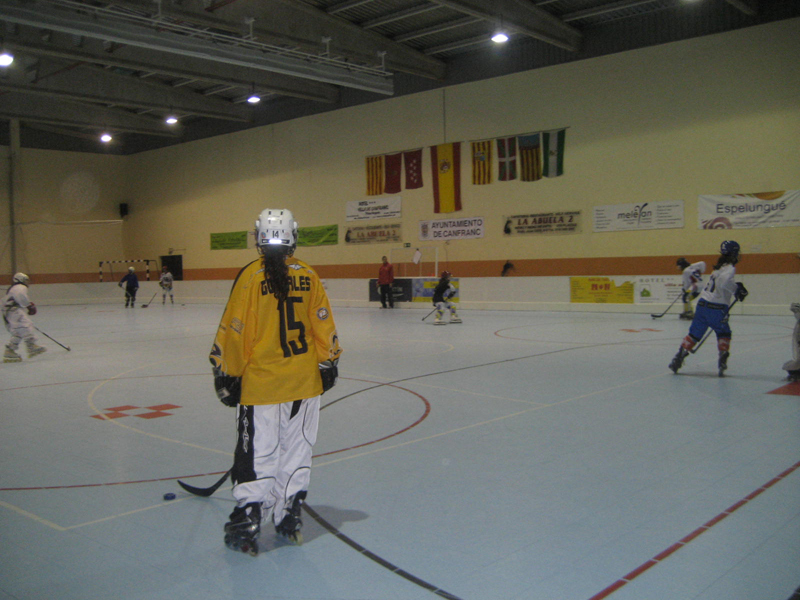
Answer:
(747, 211)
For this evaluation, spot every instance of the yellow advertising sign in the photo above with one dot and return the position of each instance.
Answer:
(599, 290)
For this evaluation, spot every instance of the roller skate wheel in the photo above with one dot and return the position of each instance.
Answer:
(296, 538)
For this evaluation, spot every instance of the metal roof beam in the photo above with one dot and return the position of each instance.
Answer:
(152, 61)
(66, 113)
(520, 16)
(748, 7)
(91, 84)
(113, 30)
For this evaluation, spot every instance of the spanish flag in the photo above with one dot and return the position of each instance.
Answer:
(446, 168)
(481, 162)
(375, 175)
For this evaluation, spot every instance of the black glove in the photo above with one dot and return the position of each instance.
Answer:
(741, 292)
(329, 371)
(228, 388)
(31, 309)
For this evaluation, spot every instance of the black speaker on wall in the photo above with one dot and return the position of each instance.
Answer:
(123, 210)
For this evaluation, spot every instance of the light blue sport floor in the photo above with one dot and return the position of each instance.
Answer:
(517, 456)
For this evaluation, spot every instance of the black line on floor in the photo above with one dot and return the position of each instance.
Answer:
(374, 557)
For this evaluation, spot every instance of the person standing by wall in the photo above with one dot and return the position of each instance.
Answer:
(276, 351)
(385, 280)
(165, 281)
(131, 286)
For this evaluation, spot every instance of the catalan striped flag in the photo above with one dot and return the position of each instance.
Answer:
(530, 157)
(446, 169)
(482, 162)
(507, 158)
(553, 150)
(375, 175)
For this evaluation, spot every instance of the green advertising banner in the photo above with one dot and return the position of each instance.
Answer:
(233, 240)
(322, 235)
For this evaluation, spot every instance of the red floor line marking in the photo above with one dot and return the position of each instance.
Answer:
(622, 581)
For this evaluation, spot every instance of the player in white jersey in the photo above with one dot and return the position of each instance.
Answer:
(165, 281)
(692, 275)
(792, 367)
(441, 298)
(16, 307)
(712, 308)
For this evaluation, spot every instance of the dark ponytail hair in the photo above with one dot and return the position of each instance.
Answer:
(726, 259)
(276, 273)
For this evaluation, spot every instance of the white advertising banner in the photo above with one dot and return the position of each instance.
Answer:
(746, 211)
(451, 229)
(632, 217)
(658, 289)
(374, 208)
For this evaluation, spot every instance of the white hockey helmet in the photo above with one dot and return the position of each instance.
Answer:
(131, 269)
(21, 278)
(276, 227)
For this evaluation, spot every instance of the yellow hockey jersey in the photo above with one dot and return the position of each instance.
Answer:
(276, 347)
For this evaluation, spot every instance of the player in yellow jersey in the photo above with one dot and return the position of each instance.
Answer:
(275, 352)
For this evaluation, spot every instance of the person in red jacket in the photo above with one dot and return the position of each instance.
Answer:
(385, 279)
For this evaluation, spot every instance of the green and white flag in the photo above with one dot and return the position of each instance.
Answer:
(553, 152)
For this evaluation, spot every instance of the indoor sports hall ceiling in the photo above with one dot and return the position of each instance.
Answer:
(84, 67)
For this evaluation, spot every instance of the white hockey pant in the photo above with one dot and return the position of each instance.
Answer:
(273, 453)
(165, 291)
(443, 306)
(20, 327)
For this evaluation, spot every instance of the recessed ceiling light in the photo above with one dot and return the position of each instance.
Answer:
(106, 137)
(171, 120)
(6, 59)
(500, 38)
(254, 99)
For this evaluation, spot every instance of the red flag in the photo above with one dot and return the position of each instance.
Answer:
(392, 163)
(413, 161)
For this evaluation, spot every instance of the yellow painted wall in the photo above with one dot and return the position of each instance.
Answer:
(713, 115)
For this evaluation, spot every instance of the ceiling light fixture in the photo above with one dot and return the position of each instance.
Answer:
(500, 37)
(6, 58)
(106, 137)
(254, 99)
(171, 120)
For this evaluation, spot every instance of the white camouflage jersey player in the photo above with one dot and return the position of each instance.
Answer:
(15, 308)
(692, 279)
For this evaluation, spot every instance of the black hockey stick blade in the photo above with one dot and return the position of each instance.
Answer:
(67, 348)
(204, 492)
(666, 311)
(151, 301)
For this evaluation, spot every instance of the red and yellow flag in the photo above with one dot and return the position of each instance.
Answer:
(482, 162)
(374, 175)
(446, 168)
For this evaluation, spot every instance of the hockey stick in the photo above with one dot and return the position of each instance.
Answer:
(666, 311)
(151, 300)
(710, 331)
(429, 314)
(204, 492)
(67, 348)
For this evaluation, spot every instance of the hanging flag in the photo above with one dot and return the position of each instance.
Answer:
(446, 168)
(413, 161)
(530, 157)
(393, 164)
(374, 175)
(481, 162)
(553, 149)
(507, 158)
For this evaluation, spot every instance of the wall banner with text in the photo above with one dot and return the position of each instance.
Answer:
(554, 222)
(372, 234)
(747, 211)
(658, 289)
(451, 229)
(600, 290)
(232, 240)
(633, 217)
(375, 208)
(322, 235)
